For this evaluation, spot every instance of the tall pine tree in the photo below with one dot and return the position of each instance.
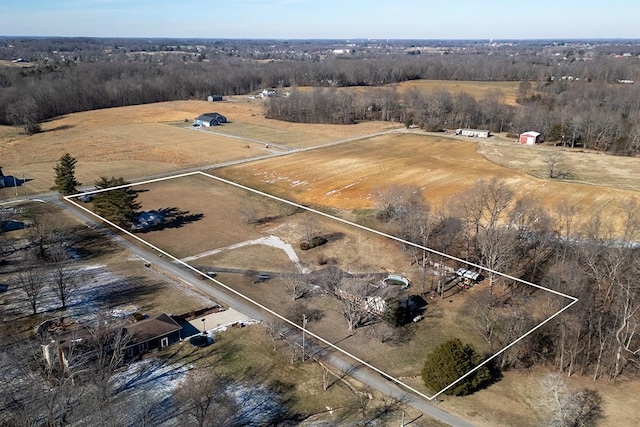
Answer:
(448, 362)
(66, 182)
(118, 205)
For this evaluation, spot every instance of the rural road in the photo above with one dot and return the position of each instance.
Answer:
(167, 266)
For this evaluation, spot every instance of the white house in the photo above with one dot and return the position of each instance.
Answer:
(529, 138)
(267, 93)
(474, 133)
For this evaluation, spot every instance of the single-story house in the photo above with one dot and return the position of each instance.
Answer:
(267, 93)
(529, 138)
(474, 133)
(152, 334)
(66, 337)
(147, 219)
(210, 119)
(212, 98)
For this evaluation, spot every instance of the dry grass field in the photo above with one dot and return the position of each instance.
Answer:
(346, 176)
(507, 90)
(149, 139)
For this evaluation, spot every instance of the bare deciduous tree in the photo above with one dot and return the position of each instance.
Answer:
(297, 285)
(206, 400)
(565, 408)
(31, 281)
(556, 164)
(62, 281)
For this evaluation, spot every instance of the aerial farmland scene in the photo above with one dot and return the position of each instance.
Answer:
(292, 213)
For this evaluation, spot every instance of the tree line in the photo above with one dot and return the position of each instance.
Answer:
(589, 109)
(598, 116)
(566, 249)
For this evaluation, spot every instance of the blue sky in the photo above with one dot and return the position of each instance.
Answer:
(333, 19)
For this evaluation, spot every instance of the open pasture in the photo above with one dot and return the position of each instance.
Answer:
(507, 90)
(144, 140)
(347, 176)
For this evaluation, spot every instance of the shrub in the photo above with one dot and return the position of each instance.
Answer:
(448, 362)
(315, 241)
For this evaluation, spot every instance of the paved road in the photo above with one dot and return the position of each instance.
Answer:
(166, 265)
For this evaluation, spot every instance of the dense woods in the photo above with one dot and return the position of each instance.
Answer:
(575, 94)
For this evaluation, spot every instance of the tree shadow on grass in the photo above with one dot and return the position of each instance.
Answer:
(117, 292)
(61, 127)
(173, 218)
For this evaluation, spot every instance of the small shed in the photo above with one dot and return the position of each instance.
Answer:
(474, 133)
(530, 138)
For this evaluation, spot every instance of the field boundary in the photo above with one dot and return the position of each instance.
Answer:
(572, 299)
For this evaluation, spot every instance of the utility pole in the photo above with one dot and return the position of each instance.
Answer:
(304, 326)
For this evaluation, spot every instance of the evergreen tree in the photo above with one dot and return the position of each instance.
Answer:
(66, 182)
(448, 362)
(118, 205)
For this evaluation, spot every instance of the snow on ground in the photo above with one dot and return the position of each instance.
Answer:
(148, 385)
(152, 383)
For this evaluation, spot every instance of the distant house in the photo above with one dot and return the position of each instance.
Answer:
(210, 119)
(474, 133)
(267, 93)
(212, 98)
(529, 138)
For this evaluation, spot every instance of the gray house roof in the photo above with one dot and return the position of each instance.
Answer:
(211, 118)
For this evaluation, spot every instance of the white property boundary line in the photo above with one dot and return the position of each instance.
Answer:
(287, 321)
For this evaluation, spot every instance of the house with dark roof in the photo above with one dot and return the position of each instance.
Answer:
(67, 340)
(151, 334)
(209, 119)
